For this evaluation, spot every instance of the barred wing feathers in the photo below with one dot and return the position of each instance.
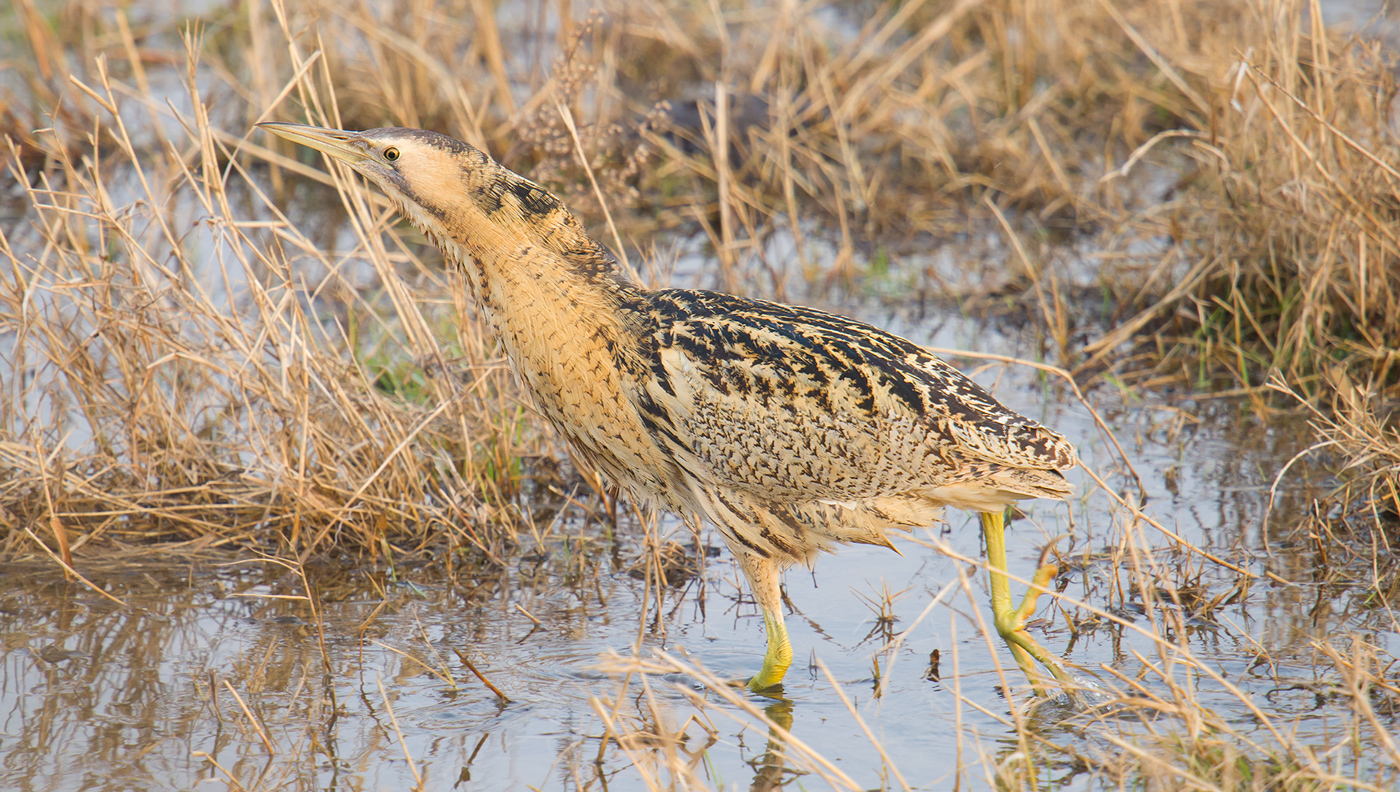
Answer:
(793, 405)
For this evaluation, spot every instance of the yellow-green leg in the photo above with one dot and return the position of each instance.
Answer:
(1011, 622)
(779, 655)
(765, 575)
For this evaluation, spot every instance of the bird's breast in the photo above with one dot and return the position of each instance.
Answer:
(571, 352)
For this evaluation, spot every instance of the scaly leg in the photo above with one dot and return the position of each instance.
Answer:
(764, 576)
(1011, 622)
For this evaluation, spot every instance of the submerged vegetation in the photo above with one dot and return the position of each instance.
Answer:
(1187, 197)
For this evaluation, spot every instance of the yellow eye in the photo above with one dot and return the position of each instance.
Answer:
(391, 153)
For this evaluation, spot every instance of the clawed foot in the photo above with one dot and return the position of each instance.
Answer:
(1011, 622)
(1025, 648)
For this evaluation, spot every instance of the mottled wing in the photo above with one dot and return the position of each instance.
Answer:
(796, 404)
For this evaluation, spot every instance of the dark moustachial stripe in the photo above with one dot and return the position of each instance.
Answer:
(489, 197)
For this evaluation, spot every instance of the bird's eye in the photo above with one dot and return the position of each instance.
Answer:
(391, 153)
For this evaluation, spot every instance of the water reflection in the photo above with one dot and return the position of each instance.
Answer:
(770, 768)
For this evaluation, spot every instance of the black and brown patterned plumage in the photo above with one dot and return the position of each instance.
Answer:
(791, 429)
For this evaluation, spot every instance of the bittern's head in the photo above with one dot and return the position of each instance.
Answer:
(452, 191)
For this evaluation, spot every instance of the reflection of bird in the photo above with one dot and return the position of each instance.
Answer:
(789, 428)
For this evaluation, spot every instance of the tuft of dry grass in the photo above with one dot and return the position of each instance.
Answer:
(1356, 527)
(1285, 227)
(183, 364)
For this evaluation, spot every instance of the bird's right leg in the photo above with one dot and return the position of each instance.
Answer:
(765, 575)
(1011, 622)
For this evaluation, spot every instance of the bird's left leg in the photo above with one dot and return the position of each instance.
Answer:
(1011, 622)
(765, 576)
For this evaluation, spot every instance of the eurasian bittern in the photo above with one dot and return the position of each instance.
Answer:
(789, 428)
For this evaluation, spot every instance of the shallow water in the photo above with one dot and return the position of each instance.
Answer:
(152, 693)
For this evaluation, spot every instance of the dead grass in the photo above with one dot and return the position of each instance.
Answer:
(1355, 527)
(185, 363)
(1288, 205)
(1228, 167)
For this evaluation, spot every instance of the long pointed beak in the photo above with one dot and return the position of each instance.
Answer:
(335, 143)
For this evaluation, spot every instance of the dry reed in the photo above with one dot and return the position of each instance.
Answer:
(184, 364)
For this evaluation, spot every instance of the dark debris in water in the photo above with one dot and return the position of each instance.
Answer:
(677, 564)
